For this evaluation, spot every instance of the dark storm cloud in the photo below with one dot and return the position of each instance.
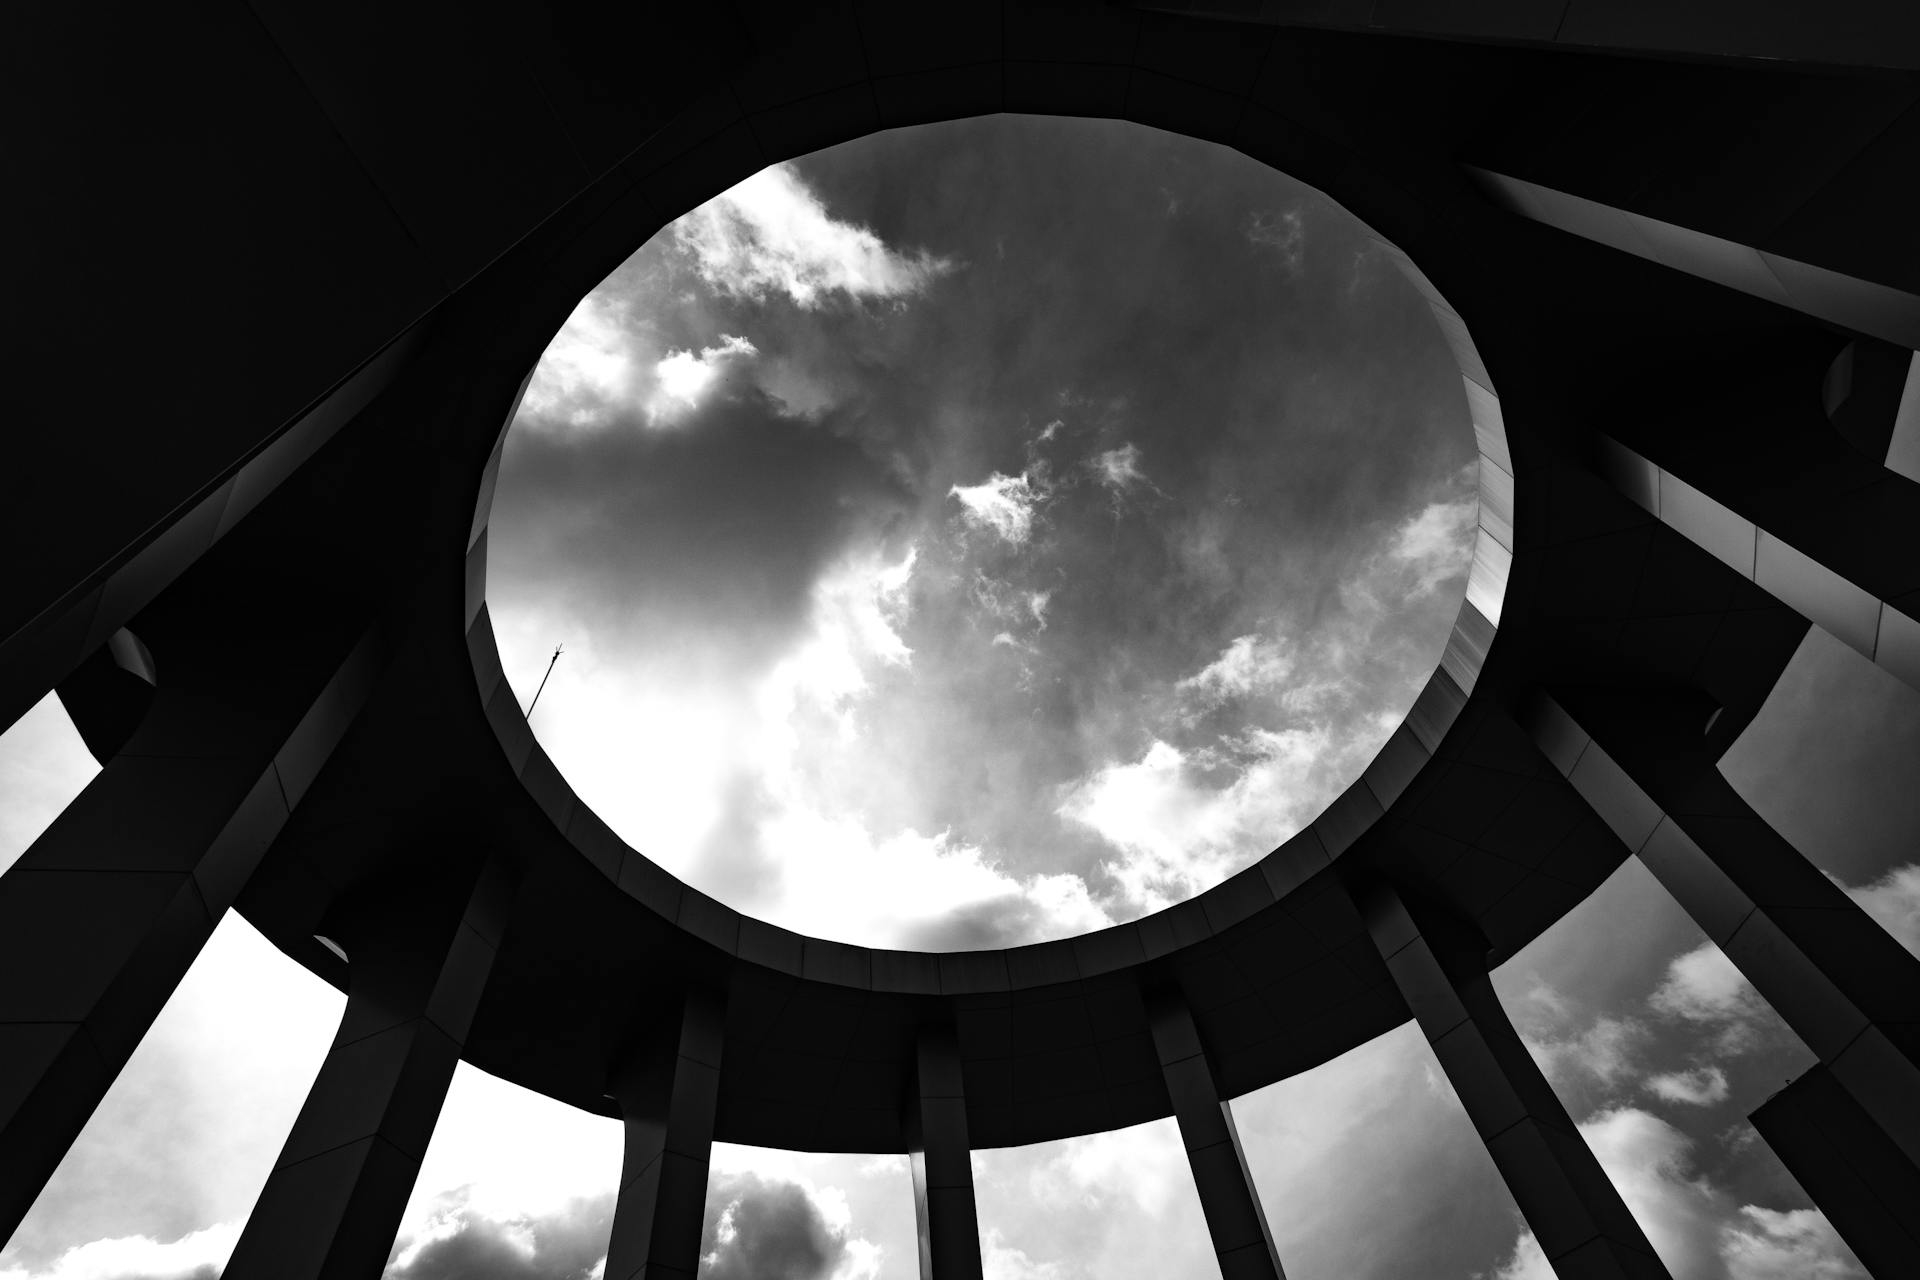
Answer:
(1171, 332)
(760, 1229)
(706, 536)
(1284, 417)
(559, 1246)
(753, 1229)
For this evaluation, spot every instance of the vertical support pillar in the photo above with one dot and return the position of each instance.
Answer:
(1839, 980)
(1860, 1180)
(103, 915)
(419, 956)
(943, 1206)
(1235, 1219)
(668, 1092)
(109, 694)
(1438, 961)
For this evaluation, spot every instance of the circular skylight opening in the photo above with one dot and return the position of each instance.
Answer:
(984, 532)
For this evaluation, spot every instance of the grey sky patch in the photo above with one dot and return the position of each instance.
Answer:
(1831, 758)
(1283, 232)
(1351, 1158)
(695, 547)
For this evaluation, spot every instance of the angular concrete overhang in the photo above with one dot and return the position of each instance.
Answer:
(1276, 963)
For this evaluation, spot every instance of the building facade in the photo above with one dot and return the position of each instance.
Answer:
(1682, 245)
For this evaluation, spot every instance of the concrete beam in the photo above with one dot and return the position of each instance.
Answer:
(1438, 961)
(1839, 980)
(943, 1204)
(1235, 1219)
(419, 956)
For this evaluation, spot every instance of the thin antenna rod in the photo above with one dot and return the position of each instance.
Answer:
(557, 649)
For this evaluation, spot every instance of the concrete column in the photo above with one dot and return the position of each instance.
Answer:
(943, 1207)
(103, 915)
(1861, 1181)
(419, 956)
(1872, 397)
(1864, 306)
(1438, 961)
(109, 694)
(1846, 576)
(667, 1091)
(1235, 1219)
(1839, 980)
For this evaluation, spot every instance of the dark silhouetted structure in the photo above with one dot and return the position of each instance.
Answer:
(281, 269)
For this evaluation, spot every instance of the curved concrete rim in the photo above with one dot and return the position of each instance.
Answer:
(1120, 946)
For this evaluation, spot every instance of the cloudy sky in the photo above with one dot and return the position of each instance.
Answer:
(1030, 522)
(1367, 1165)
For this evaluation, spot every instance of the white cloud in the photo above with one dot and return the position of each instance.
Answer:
(1703, 986)
(1527, 1261)
(771, 235)
(1646, 1159)
(683, 377)
(1436, 544)
(1603, 1052)
(838, 879)
(1002, 1261)
(1177, 834)
(1184, 817)
(1285, 233)
(598, 365)
(1700, 1087)
(1019, 609)
(1003, 504)
(1120, 1203)
(587, 368)
(1146, 1164)
(857, 604)
(1249, 665)
(1119, 469)
(1894, 901)
(128, 1257)
(676, 786)
(1697, 1229)
(1794, 1244)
